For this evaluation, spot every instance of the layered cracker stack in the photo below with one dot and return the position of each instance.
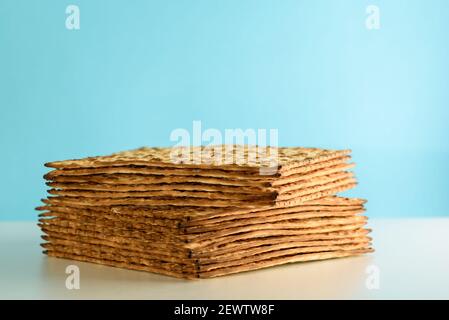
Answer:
(148, 210)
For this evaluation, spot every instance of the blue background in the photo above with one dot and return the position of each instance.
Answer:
(136, 70)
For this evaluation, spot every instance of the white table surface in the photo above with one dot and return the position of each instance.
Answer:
(412, 256)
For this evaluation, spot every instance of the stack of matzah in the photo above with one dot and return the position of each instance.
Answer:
(143, 210)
